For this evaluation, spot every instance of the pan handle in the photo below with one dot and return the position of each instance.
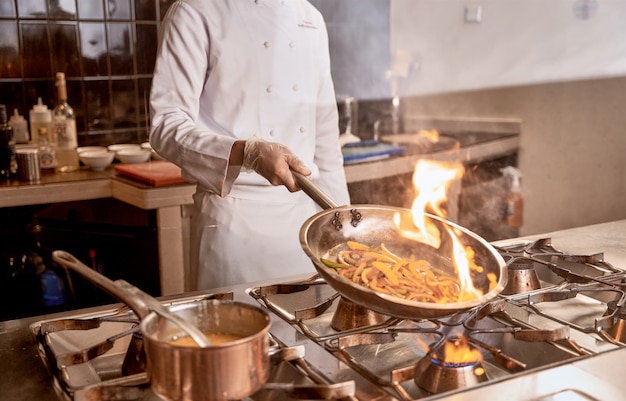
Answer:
(136, 304)
(314, 191)
(140, 302)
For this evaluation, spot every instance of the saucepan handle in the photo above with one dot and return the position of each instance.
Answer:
(70, 261)
(140, 302)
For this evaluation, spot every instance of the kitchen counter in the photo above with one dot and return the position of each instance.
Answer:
(24, 377)
(86, 185)
(171, 203)
(406, 163)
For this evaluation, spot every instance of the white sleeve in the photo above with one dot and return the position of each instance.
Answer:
(181, 68)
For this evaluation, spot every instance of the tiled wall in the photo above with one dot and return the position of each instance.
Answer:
(107, 50)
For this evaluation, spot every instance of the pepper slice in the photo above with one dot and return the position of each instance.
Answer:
(332, 265)
(384, 268)
(354, 245)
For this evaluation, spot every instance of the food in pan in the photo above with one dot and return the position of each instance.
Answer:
(413, 279)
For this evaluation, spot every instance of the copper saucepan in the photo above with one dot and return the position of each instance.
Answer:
(373, 224)
(213, 372)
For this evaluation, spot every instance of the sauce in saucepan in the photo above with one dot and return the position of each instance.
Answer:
(215, 338)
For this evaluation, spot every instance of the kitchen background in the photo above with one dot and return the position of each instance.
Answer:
(555, 65)
(558, 66)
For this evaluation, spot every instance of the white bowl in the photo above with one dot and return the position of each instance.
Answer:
(123, 146)
(128, 156)
(91, 149)
(97, 160)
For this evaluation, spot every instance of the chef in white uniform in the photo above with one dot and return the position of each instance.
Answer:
(241, 94)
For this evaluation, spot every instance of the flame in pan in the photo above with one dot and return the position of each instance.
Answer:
(432, 181)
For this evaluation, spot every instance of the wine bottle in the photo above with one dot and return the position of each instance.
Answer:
(64, 126)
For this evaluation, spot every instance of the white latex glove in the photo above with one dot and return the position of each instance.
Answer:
(274, 162)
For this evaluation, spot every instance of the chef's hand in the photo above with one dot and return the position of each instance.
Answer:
(274, 162)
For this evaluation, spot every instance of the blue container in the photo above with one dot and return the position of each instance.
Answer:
(52, 289)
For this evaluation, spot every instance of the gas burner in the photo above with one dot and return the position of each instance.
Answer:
(617, 312)
(522, 276)
(453, 365)
(349, 315)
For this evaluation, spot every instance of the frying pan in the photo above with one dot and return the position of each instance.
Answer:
(372, 225)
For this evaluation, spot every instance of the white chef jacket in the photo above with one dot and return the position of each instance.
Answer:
(228, 70)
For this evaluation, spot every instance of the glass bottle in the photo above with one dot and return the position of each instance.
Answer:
(47, 152)
(8, 160)
(64, 125)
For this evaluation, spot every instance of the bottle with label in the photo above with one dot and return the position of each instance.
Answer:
(40, 116)
(8, 160)
(514, 202)
(20, 127)
(64, 127)
(47, 153)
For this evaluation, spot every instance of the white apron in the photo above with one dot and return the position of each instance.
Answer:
(242, 240)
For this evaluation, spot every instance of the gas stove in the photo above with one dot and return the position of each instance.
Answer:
(557, 309)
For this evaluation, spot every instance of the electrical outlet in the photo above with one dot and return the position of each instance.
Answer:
(473, 13)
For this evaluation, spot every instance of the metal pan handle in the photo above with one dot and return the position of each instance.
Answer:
(314, 191)
(140, 302)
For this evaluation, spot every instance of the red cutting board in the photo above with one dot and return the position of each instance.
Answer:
(157, 173)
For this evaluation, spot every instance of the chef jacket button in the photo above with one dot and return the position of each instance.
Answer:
(295, 88)
(257, 1)
(268, 89)
(302, 129)
(272, 132)
(266, 44)
(292, 44)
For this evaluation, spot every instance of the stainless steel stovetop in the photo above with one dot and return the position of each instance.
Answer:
(569, 311)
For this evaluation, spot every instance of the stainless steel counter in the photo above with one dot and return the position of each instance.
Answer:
(24, 377)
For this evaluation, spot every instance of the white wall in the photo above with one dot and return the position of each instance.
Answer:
(516, 42)
(564, 77)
